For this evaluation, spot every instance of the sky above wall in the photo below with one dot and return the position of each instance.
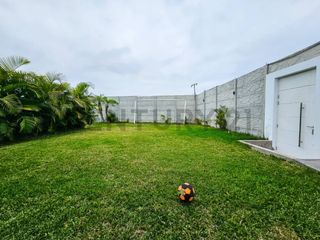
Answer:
(152, 47)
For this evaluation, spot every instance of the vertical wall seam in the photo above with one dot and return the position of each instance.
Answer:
(119, 109)
(204, 105)
(216, 100)
(156, 110)
(216, 97)
(264, 97)
(236, 104)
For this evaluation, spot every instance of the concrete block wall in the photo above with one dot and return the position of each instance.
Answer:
(209, 105)
(250, 93)
(297, 57)
(124, 110)
(152, 108)
(226, 98)
(244, 97)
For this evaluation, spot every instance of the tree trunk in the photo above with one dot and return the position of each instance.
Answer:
(107, 109)
(100, 111)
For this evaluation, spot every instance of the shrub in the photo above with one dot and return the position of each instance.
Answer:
(165, 119)
(221, 115)
(111, 117)
(186, 120)
(198, 121)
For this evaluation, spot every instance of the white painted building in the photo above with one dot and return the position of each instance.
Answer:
(292, 109)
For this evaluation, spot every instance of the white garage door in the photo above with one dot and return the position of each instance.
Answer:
(296, 115)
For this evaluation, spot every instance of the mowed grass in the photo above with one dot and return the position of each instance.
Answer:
(121, 183)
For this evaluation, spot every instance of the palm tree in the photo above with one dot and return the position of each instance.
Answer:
(16, 87)
(9, 64)
(109, 102)
(83, 104)
(9, 105)
(99, 100)
(32, 103)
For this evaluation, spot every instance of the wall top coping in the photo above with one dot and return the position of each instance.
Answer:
(295, 53)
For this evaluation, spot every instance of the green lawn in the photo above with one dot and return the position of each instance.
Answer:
(121, 183)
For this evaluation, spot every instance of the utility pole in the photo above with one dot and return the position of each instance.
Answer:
(195, 99)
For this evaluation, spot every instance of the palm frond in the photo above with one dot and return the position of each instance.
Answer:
(80, 102)
(28, 124)
(81, 89)
(6, 130)
(2, 113)
(110, 101)
(99, 98)
(10, 104)
(12, 63)
(31, 108)
(79, 115)
(53, 76)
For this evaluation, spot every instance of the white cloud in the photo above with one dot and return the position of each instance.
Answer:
(143, 47)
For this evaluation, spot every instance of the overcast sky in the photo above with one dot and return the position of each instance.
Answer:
(150, 47)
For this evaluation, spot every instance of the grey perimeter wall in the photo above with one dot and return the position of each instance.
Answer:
(244, 97)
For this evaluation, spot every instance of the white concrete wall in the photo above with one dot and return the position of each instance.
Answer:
(244, 97)
(271, 99)
(298, 57)
(150, 108)
(250, 102)
(306, 58)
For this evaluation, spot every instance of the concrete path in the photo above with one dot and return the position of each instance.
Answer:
(315, 164)
(262, 146)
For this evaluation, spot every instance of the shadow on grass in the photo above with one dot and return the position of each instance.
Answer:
(41, 136)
